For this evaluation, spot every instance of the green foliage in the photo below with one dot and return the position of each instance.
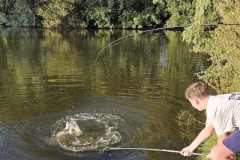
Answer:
(2, 18)
(181, 11)
(205, 13)
(229, 11)
(224, 73)
(113, 14)
(21, 15)
(123, 14)
(223, 51)
(207, 146)
(146, 18)
(101, 13)
(221, 44)
(81, 13)
(193, 12)
(75, 21)
(75, 18)
(6, 5)
(140, 14)
(223, 47)
(16, 13)
(54, 11)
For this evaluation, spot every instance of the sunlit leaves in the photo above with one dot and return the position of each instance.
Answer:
(83, 13)
(54, 11)
(223, 47)
(221, 42)
(181, 11)
(229, 11)
(205, 13)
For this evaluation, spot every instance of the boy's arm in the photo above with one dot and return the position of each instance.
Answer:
(202, 136)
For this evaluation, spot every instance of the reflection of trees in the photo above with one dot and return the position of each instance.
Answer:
(163, 51)
(55, 64)
(142, 66)
(3, 44)
(181, 63)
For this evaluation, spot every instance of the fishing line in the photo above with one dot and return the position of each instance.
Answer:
(106, 149)
(124, 38)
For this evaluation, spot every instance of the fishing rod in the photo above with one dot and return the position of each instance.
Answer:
(122, 39)
(106, 149)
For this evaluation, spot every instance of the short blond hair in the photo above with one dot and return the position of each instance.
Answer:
(197, 90)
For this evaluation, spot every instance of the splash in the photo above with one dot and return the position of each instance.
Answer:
(71, 128)
(88, 131)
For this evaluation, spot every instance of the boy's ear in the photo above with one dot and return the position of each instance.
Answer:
(197, 101)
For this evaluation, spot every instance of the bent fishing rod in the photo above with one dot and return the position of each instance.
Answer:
(122, 39)
(106, 149)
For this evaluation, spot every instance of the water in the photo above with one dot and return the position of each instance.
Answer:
(129, 95)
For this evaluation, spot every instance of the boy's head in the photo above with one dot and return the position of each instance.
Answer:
(197, 90)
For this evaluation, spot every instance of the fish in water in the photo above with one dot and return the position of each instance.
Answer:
(71, 128)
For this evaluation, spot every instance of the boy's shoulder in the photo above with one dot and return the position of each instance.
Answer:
(234, 96)
(227, 96)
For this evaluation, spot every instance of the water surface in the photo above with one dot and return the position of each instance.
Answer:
(132, 91)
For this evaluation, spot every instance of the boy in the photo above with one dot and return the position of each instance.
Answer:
(223, 116)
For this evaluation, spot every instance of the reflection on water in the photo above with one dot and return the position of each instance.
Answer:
(128, 96)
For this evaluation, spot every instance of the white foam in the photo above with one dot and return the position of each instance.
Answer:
(74, 138)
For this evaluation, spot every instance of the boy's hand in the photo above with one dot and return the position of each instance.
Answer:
(186, 151)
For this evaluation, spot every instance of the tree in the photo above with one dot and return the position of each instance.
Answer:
(223, 47)
(16, 13)
(181, 12)
(76, 17)
(205, 13)
(140, 14)
(101, 13)
(21, 15)
(83, 13)
(53, 12)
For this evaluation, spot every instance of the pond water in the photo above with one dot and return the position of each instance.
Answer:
(129, 95)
